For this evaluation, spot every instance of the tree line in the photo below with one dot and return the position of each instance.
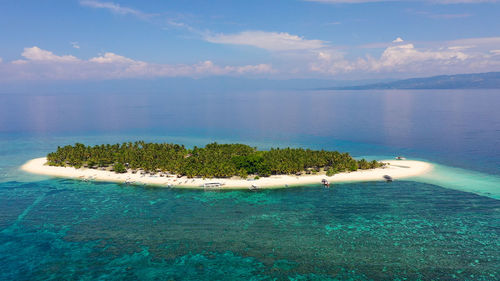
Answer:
(213, 160)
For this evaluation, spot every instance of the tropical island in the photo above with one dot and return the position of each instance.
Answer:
(231, 165)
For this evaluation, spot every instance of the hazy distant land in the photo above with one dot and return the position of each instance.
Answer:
(490, 80)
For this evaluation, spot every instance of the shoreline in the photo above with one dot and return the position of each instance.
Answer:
(397, 169)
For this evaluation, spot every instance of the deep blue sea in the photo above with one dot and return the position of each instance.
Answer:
(441, 226)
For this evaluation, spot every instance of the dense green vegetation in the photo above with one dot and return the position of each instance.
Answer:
(213, 160)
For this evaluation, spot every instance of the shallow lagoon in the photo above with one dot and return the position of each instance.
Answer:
(60, 229)
(66, 229)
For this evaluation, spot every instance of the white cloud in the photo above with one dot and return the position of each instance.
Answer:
(395, 56)
(272, 41)
(259, 68)
(324, 56)
(75, 45)
(19, 62)
(455, 48)
(42, 64)
(115, 8)
(37, 54)
(149, 17)
(481, 42)
(209, 67)
(408, 59)
(397, 40)
(111, 58)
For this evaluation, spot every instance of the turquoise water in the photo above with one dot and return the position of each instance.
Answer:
(441, 226)
(65, 229)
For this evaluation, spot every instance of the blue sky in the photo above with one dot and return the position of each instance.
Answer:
(327, 39)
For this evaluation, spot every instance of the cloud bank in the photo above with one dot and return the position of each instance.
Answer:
(40, 64)
(459, 56)
(293, 56)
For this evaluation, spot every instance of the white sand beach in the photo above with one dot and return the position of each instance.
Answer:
(397, 169)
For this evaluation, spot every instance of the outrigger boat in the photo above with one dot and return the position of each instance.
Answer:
(212, 185)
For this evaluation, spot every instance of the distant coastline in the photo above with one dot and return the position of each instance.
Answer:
(397, 169)
(489, 80)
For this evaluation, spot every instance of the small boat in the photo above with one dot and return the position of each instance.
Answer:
(325, 183)
(253, 187)
(400, 158)
(212, 185)
(388, 178)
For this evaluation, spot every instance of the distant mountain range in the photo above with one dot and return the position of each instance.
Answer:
(490, 80)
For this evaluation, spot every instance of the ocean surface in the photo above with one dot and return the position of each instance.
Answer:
(441, 226)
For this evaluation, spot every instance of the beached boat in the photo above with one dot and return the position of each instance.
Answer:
(400, 158)
(325, 182)
(253, 187)
(212, 185)
(388, 178)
